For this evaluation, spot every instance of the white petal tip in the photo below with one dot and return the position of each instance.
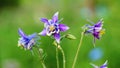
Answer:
(56, 13)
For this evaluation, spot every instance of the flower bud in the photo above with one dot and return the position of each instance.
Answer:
(70, 36)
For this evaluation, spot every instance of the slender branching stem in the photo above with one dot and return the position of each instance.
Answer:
(43, 64)
(41, 59)
(63, 54)
(57, 58)
(75, 59)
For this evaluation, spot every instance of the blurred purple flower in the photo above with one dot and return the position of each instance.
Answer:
(52, 27)
(96, 30)
(102, 66)
(25, 41)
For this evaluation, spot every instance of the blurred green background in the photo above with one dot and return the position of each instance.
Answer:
(25, 14)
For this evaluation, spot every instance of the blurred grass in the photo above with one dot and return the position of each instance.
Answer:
(26, 16)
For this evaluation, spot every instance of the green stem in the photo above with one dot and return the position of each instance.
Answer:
(75, 59)
(43, 64)
(40, 55)
(63, 54)
(57, 58)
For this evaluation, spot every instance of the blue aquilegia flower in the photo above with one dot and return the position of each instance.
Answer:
(52, 27)
(102, 66)
(96, 30)
(27, 41)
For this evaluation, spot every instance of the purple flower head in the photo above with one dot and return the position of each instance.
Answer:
(102, 66)
(52, 27)
(96, 30)
(27, 41)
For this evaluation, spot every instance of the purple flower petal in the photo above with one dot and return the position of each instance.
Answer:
(44, 20)
(90, 27)
(50, 22)
(55, 17)
(104, 65)
(57, 37)
(96, 35)
(97, 29)
(30, 44)
(63, 27)
(99, 24)
(89, 31)
(21, 33)
(43, 33)
(32, 36)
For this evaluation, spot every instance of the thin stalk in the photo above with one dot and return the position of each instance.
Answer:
(63, 54)
(94, 41)
(76, 56)
(43, 64)
(57, 58)
(40, 55)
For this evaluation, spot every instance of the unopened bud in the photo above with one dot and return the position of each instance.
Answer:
(55, 43)
(41, 50)
(70, 36)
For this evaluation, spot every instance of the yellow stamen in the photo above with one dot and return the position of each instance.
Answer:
(102, 32)
(51, 28)
(20, 45)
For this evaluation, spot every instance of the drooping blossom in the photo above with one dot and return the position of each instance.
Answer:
(96, 29)
(27, 41)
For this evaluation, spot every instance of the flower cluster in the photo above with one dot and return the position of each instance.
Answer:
(52, 27)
